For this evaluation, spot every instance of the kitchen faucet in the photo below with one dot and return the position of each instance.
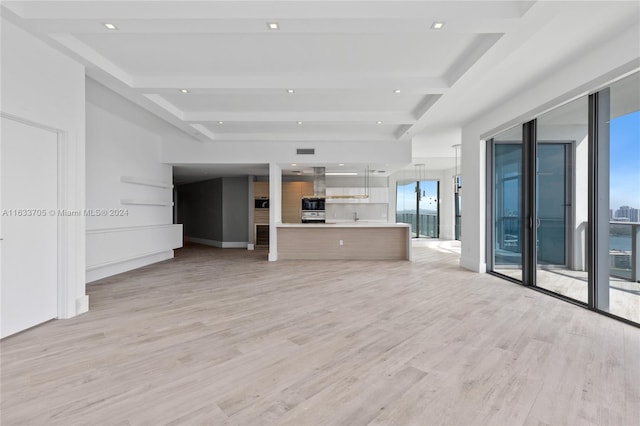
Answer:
(355, 217)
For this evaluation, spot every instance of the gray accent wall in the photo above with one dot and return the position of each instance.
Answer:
(216, 210)
(235, 209)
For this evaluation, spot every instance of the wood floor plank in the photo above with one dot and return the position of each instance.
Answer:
(221, 336)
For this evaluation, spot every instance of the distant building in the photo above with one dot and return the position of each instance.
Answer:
(627, 214)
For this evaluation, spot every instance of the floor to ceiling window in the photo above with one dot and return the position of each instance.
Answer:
(564, 201)
(561, 200)
(623, 286)
(457, 200)
(507, 203)
(418, 204)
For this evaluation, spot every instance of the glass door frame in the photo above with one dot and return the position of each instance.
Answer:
(529, 208)
(597, 235)
(491, 208)
(569, 224)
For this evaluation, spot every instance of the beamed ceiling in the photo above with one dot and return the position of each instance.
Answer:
(359, 70)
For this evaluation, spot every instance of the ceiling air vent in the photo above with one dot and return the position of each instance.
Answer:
(306, 151)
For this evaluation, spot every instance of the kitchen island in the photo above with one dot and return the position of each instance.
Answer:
(344, 241)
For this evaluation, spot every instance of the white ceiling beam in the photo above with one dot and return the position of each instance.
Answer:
(388, 117)
(419, 27)
(410, 83)
(302, 9)
(303, 137)
(204, 131)
(91, 56)
(166, 105)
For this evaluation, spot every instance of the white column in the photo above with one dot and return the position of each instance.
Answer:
(447, 206)
(275, 208)
(474, 202)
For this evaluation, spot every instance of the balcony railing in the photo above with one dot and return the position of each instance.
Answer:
(428, 223)
(624, 241)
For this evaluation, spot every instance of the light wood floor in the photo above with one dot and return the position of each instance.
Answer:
(221, 336)
(624, 295)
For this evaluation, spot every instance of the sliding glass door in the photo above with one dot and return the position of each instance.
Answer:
(620, 288)
(564, 201)
(507, 204)
(561, 205)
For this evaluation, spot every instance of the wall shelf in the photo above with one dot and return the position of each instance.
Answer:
(145, 182)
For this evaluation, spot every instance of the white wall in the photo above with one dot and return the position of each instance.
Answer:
(121, 142)
(435, 143)
(589, 72)
(44, 87)
(183, 150)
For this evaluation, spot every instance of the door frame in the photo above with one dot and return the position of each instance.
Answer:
(570, 202)
(491, 209)
(65, 297)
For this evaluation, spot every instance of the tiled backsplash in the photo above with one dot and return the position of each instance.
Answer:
(372, 212)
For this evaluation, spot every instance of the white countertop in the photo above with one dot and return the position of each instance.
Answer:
(359, 224)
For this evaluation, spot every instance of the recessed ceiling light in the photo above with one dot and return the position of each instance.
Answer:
(110, 26)
(291, 91)
(378, 122)
(341, 174)
(220, 122)
(273, 25)
(184, 91)
(396, 91)
(299, 122)
(341, 164)
(293, 164)
(438, 25)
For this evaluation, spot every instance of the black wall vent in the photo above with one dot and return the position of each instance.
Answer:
(306, 151)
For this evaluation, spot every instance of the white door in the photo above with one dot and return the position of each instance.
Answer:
(29, 232)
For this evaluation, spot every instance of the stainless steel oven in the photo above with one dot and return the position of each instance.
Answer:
(313, 204)
(315, 216)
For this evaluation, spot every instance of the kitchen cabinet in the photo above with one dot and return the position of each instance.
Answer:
(261, 216)
(261, 189)
(291, 202)
(262, 235)
(292, 193)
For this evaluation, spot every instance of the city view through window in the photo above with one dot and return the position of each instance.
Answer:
(552, 253)
(625, 168)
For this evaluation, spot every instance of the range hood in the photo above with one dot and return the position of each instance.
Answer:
(320, 185)
(319, 182)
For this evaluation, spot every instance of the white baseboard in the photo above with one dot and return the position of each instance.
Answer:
(98, 273)
(214, 243)
(82, 305)
(473, 265)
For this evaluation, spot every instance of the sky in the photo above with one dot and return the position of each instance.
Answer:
(406, 198)
(625, 161)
